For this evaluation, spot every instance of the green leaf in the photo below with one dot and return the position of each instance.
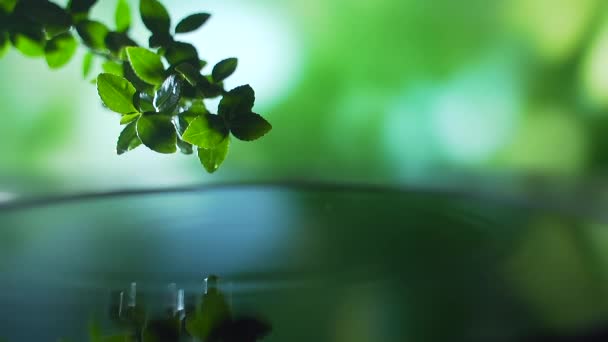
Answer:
(239, 101)
(59, 50)
(157, 132)
(206, 131)
(137, 82)
(183, 120)
(122, 16)
(249, 127)
(192, 22)
(4, 43)
(180, 52)
(211, 160)
(116, 93)
(146, 64)
(81, 6)
(167, 96)
(87, 64)
(93, 34)
(190, 73)
(155, 16)
(128, 139)
(111, 67)
(224, 69)
(28, 45)
(128, 118)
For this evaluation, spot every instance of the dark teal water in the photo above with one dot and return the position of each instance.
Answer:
(318, 263)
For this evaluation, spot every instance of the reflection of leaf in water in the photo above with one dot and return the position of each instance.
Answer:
(211, 312)
(242, 329)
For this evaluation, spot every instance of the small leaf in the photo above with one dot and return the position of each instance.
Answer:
(146, 64)
(128, 118)
(211, 160)
(157, 132)
(128, 139)
(111, 67)
(93, 34)
(224, 69)
(81, 6)
(190, 73)
(28, 45)
(4, 43)
(238, 101)
(180, 52)
(59, 50)
(202, 64)
(155, 16)
(167, 96)
(192, 22)
(249, 127)
(205, 131)
(122, 16)
(116, 93)
(87, 64)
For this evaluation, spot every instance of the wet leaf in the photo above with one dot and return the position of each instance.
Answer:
(144, 102)
(224, 69)
(167, 96)
(192, 22)
(146, 64)
(128, 139)
(204, 322)
(59, 50)
(249, 127)
(239, 101)
(155, 16)
(116, 93)
(122, 16)
(93, 34)
(157, 132)
(206, 131)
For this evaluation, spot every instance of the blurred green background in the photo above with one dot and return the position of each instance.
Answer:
(390, 91)
(362, 90)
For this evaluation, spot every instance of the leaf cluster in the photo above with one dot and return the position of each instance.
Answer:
(159, 90)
